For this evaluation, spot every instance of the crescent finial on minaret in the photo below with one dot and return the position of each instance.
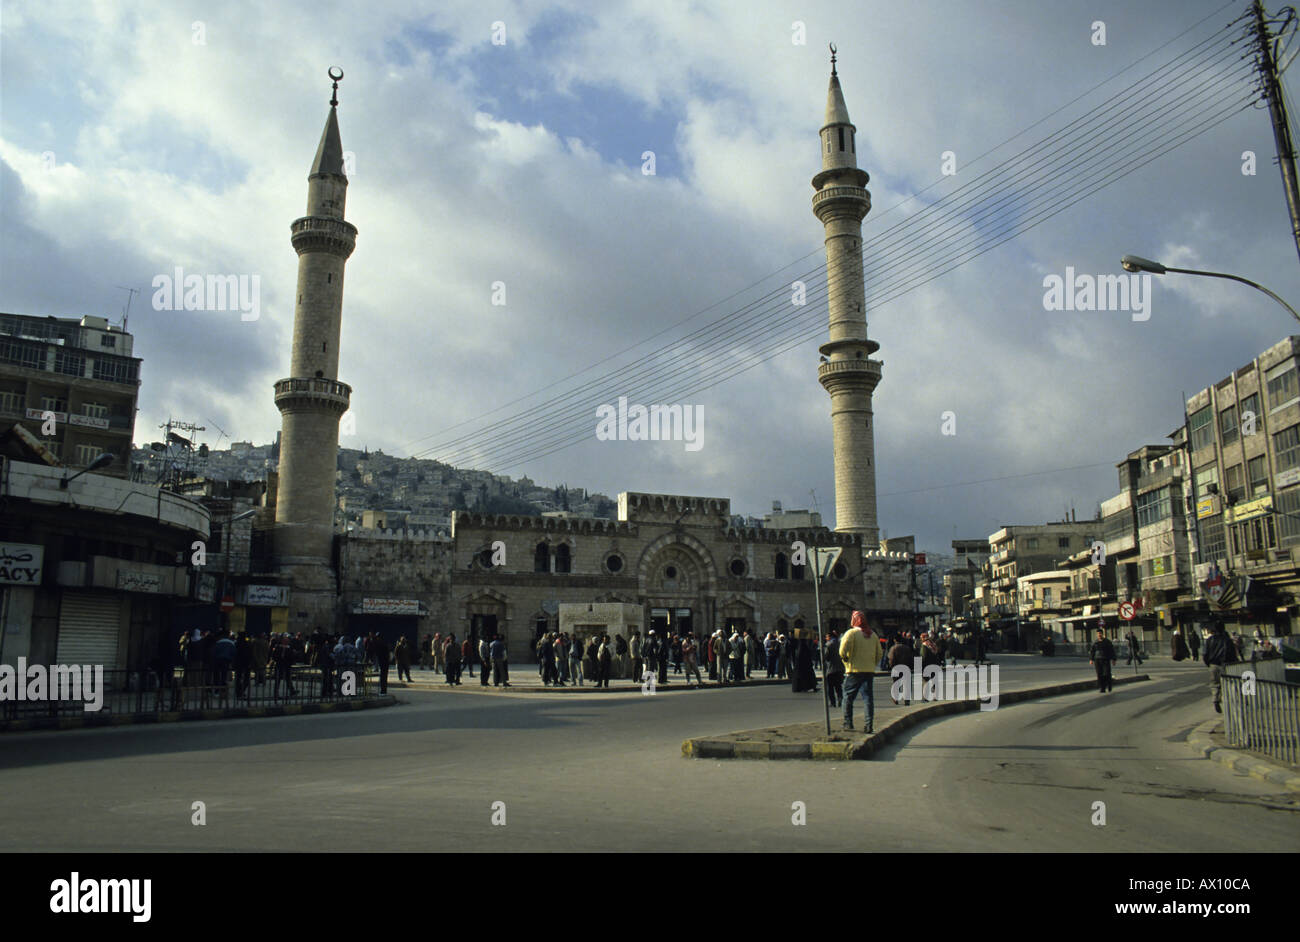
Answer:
(832, 45)
(334, 99)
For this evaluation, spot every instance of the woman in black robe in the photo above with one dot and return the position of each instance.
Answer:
(802, 677)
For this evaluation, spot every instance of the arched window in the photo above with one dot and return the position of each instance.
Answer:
(781, 571)
(796, 573)
(542, 558)
(562, 563)
(841, 139)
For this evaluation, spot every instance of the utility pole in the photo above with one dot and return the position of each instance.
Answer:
(1277, 113)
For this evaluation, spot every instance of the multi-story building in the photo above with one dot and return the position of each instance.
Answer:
(73, 383)
(959, 582)
(1243, 440)
(1040, 599)
(98, 570)
(1019, 550)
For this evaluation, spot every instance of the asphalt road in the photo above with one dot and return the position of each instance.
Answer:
(599, 772)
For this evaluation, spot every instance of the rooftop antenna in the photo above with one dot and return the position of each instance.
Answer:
(221, 436)
(129, 298)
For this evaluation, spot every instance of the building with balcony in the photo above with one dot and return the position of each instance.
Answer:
(1243, 444)
(970, 557)
(73, 383)
(94, 569)
(1021, 550)
(1040, 601)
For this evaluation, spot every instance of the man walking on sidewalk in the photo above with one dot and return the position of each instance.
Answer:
(860, 651)
(1219, 651)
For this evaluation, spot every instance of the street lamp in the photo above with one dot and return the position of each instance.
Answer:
(1137, 263)
(231, 520)
(104, 459)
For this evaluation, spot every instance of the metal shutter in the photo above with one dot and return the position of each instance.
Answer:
(89, 624)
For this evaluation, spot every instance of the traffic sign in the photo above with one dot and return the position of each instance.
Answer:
(1127, 611)
(228, 603)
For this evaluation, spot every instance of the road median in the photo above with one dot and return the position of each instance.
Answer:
(809, 740)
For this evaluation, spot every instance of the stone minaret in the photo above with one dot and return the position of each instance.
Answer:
(848, 373)
(312, 399)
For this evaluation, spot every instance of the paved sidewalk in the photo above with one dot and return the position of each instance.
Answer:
(527, 681)
(1208, 739)
(809, 740)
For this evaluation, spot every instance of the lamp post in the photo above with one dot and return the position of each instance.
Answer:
(106, 458)
(1137, 263)
(225, 574)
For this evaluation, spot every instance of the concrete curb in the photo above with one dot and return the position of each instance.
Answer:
(1200, 740)
(95, 720)
(865, 747)
(625, 686)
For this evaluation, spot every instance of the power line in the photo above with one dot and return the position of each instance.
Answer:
(878, 217)
(1012, 230)
(538, 446)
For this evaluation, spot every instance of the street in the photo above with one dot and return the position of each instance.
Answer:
(589, 772)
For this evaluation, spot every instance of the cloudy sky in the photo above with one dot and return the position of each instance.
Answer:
(510, 147)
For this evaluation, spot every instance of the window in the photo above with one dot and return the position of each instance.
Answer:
(87, 453)
(96, 410)
(23, 353)
(841, 139)
(1031, 543)
(1206, 475)
(1286, 449)
(1047, 596)
(1228, 425)
(1257, 473)
(1288, 516)
(737, 567)
(1063, 542)
(1153, 507)
(70, 362)
(1201, 428)
(12, 402)
(1281, 384)
(53, 404)
(563, 562)
(116, 369)
(107, 340)
(796, 572)
(1250, 413)
(1212, 542)
(780, 567)
(542, 558)
(614, 563)
(1235, 483)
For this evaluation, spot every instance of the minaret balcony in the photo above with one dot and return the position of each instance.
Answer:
(323, 234)
(851, 200)
(864, 372)
(317, 392)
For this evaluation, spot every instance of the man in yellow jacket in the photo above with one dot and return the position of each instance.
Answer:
(860, 651)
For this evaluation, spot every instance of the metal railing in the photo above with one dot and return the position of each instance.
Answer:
(1262, 715)
(193, 688)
